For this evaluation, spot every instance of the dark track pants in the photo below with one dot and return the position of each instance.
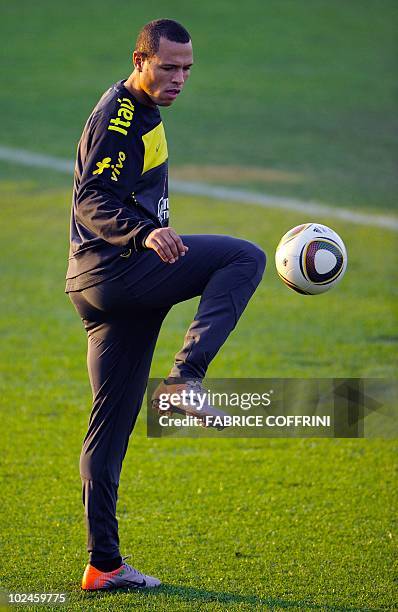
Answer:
(122, 318)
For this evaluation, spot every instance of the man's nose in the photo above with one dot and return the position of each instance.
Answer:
(178, 77)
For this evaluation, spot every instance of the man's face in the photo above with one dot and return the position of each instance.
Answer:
(163, 75)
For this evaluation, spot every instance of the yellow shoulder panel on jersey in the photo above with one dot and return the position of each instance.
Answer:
(155, 148)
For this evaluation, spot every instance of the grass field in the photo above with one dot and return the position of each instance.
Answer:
(306, 88)
(234, 524)
(242, 524)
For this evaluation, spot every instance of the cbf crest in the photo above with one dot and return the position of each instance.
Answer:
(163, 210)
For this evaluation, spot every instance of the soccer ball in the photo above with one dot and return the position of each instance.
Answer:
(311, 258)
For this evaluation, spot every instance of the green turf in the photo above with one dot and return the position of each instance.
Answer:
(304, 87)
(233, 525)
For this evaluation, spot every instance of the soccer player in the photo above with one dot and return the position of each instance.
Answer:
(128, 267)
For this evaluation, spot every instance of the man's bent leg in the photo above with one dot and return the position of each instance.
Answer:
(224, 270)
(223, 301)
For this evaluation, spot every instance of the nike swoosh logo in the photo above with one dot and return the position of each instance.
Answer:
(136, 585)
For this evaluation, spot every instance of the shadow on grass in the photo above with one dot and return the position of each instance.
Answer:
(193, 595)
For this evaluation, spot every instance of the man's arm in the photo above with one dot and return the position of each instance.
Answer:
(111, 166)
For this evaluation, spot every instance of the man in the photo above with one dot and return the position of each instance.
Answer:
(127, 268)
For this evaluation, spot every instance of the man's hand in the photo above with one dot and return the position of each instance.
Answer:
(166, 243)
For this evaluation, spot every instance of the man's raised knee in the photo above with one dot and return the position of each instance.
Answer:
(255, 252)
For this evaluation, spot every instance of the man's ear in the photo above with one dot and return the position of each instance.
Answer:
(138, 60)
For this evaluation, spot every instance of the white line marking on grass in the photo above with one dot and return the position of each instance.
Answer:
(66, 166)
(269, 201)
(26, 158)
